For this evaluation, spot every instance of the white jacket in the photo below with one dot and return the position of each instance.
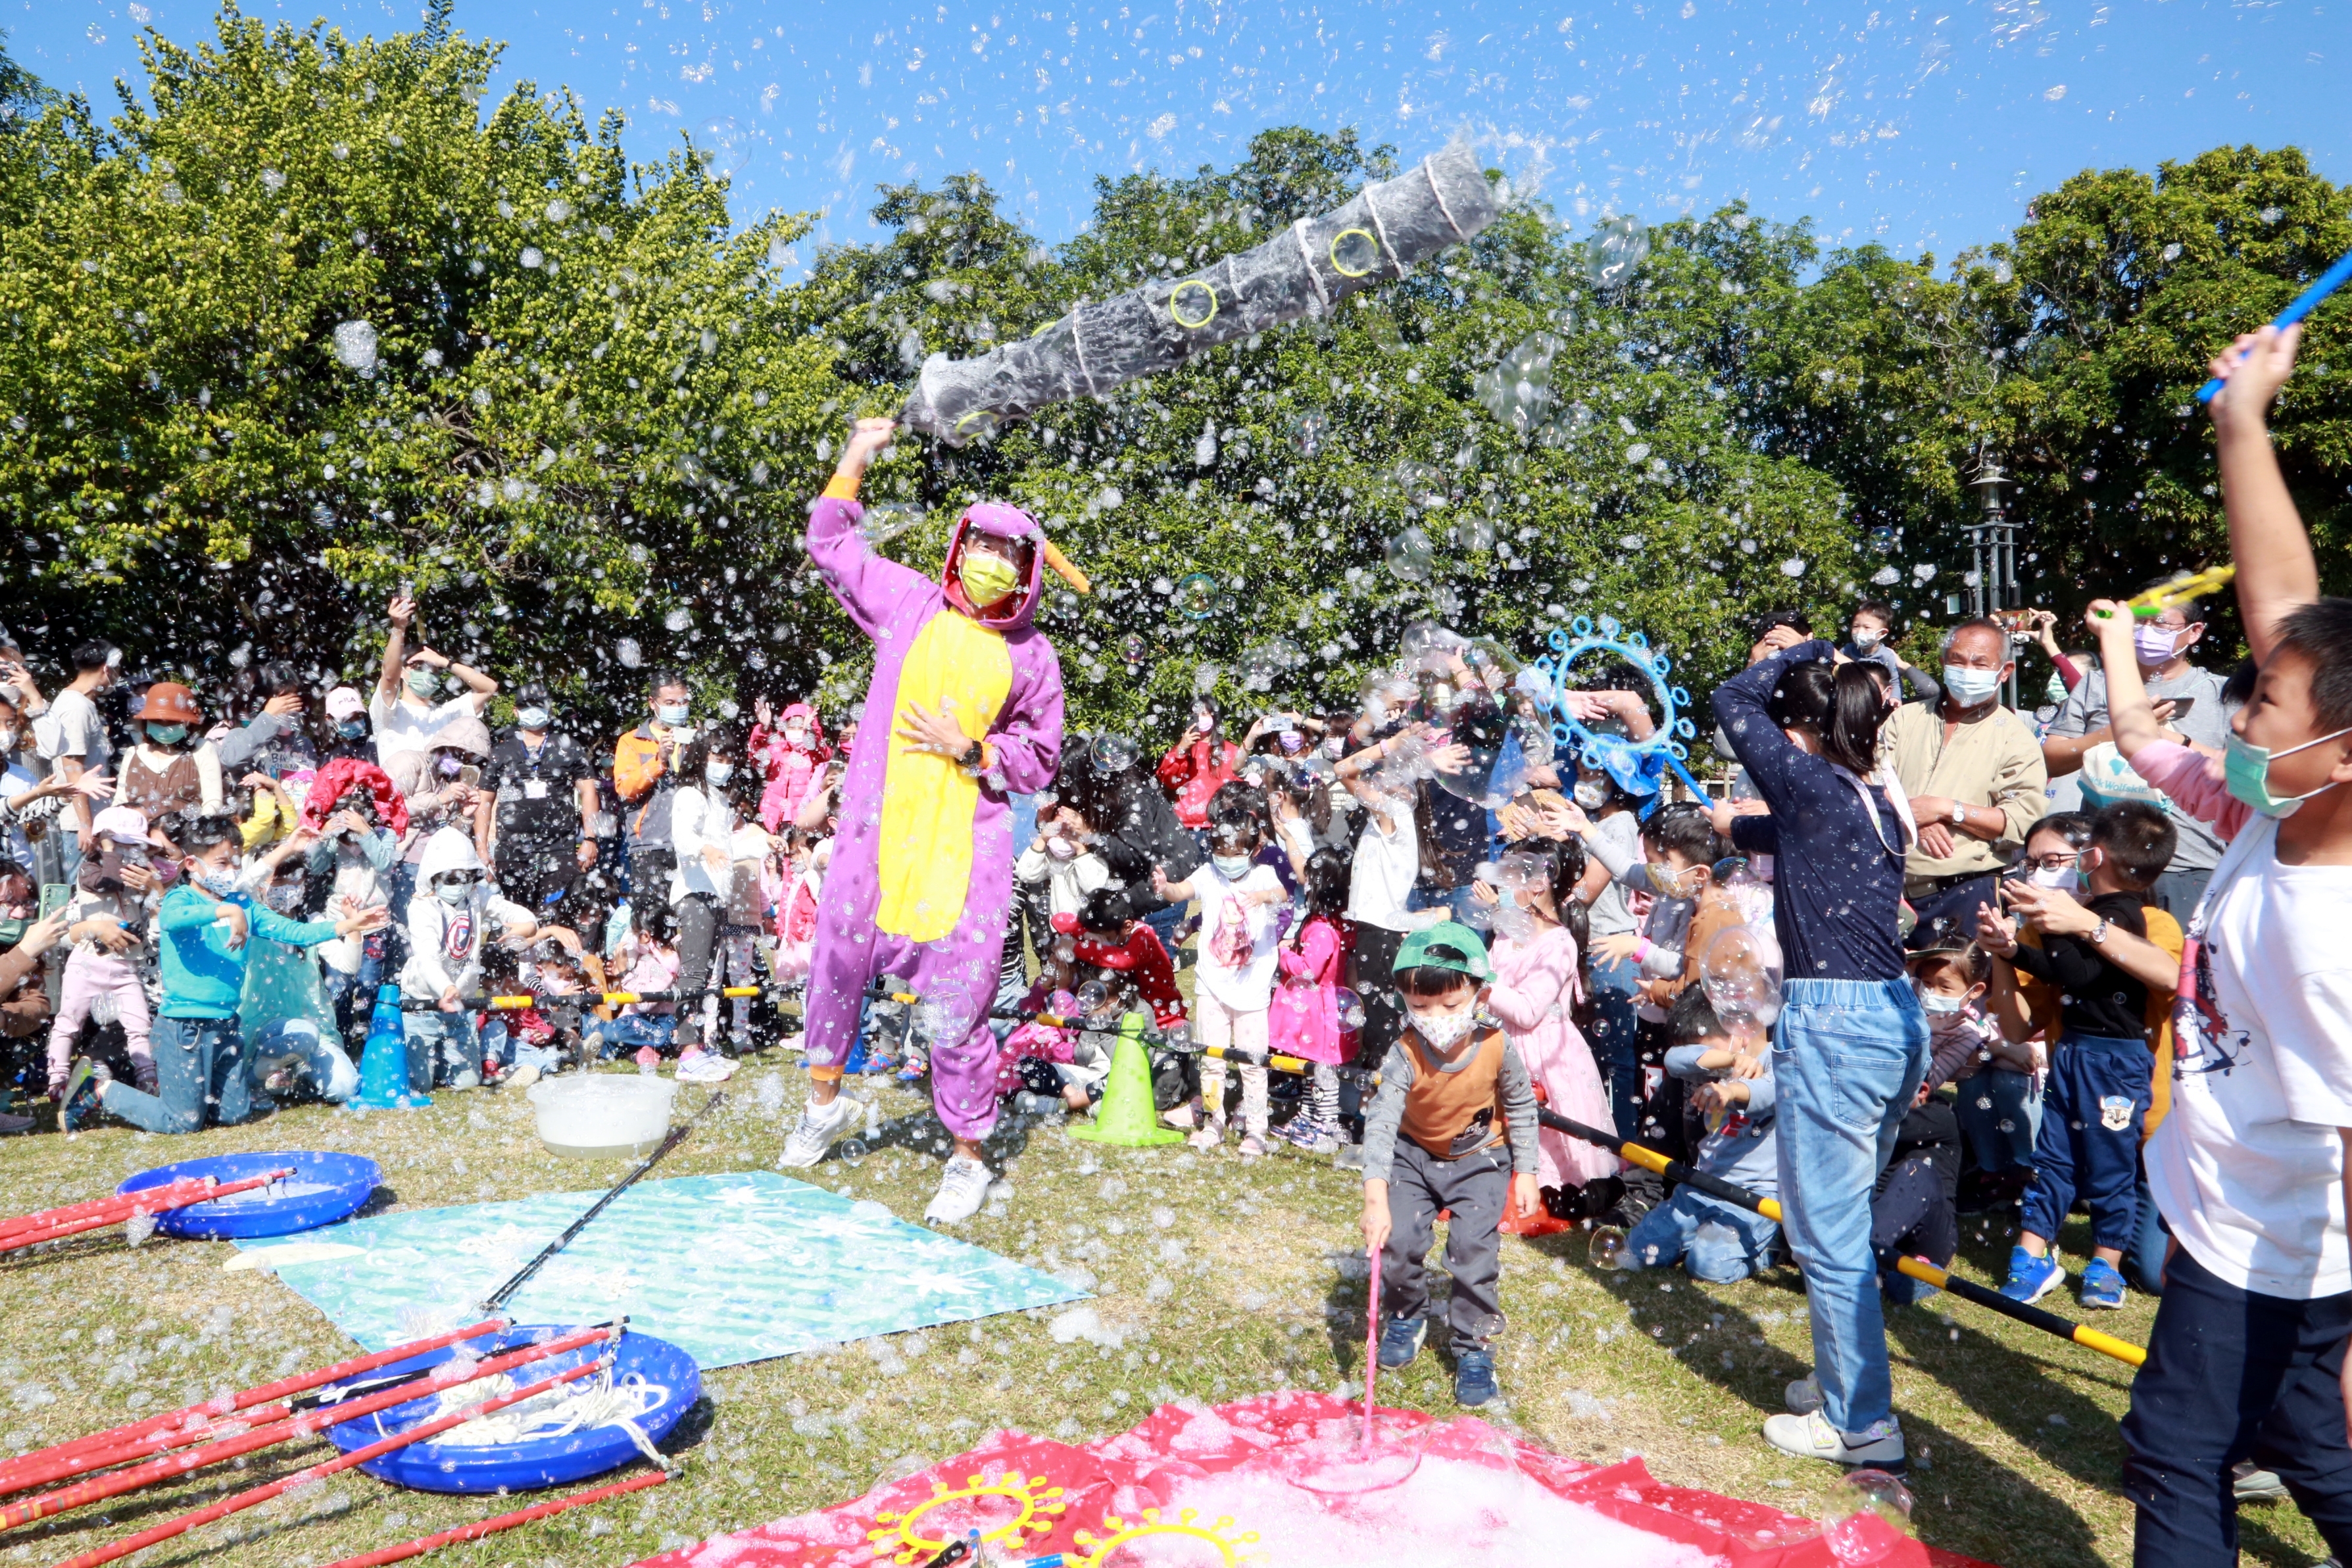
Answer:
(445, 939)
(701, 819)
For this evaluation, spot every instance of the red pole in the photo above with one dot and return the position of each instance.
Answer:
(341, 1462)
(261, 1394)
(425, 1544)
(112, 1200)
(124, 1207)
(99, 1487)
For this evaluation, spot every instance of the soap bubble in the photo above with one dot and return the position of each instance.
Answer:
(1132, 649)
(1411, 555)
(628, 653)
(886, 520)
(1867, 1519)
(531, 257)
(1607, 1247)
(1741, 971)
(1196, 595)
(721, 145)
(1517, 390)
(356, 345)
(1093, 998)
(1474, 533)
(1350, 1007)
(1422, 485)
(850, 1150)
(558, 210)
(1307, 430)
(1112, 754)
(1618, 247)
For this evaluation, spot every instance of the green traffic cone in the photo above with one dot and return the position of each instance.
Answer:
(1126, 1115)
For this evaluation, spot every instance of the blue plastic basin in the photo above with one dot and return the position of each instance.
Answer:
(323, 1189)
(543, 1462)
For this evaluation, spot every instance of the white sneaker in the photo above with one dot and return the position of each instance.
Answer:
(706, 1067)
(522, 1077)
(819, 1126)
(964, 1187)
(1810, 1436)
(1804, 1396)
(1210, 1134)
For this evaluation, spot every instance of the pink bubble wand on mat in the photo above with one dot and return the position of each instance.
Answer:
(1371, 1348)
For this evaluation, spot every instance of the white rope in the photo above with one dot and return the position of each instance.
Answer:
(557, 1412)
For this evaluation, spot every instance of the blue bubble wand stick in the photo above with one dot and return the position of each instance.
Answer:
(2329, 281)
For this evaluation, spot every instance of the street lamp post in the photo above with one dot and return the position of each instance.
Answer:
(1992, 549)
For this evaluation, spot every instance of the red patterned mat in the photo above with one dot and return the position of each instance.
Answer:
(1252, 1485)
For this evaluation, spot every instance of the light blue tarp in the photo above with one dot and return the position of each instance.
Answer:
(732, 1268)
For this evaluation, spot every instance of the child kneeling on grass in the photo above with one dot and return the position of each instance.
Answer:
(1716, 1241)
(1446, 1085)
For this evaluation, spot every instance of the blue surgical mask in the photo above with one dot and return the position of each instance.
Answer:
(220, 883)
(719, 772)
(352, 729)
(1232, 868)
(167, 734)
(1938, 1005)
(1972, 688)
(2246, 772)
(423, 682)
(671, 714)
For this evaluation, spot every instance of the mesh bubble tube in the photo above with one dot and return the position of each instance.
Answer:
(1384, 231)
(1651, 757)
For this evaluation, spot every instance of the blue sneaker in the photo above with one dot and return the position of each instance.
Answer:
(2102, 1286)
(2031, 1277)
(1474, 1379)
(81, 1099)
(1400, 1341)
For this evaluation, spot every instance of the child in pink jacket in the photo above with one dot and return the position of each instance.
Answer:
(1305, 1019)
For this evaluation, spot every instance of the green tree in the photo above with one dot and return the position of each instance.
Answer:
(310, 324)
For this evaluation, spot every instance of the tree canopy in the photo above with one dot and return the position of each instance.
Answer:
(311, 319)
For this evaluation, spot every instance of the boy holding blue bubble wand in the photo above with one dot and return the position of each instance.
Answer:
(2247, 1358)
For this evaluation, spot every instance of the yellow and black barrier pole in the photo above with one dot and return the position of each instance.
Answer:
(1674, 1170)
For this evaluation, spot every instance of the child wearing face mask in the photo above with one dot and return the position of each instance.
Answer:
(1733, 1089)
(206, 927)
(702, 829)
(1241, 924)
(451, 921)
(1060, 860)
(107, 923)
(2095, 952)
(1305, 1020)
(1538, 929)
(1867, 641)
(1452, 1127)
(292, 1044)
(791, 753)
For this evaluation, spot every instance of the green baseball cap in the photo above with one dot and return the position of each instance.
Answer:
(1449, 944)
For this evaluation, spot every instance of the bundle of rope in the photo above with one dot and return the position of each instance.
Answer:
(558, 1413)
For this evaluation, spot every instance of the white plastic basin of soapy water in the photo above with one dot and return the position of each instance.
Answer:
(602, 1116)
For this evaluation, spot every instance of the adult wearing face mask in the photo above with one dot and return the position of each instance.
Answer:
(2191, 710)
(28, 799)
(1197, 766)
(171, 767)
(544, 791)
(406, 709)
(347, 729)
(1975, 777)
(702, 830)
(645, 777)
(72, 733)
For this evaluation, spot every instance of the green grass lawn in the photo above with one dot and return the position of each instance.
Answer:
(1219, 1278)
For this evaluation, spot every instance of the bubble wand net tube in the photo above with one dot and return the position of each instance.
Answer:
(2329, 281)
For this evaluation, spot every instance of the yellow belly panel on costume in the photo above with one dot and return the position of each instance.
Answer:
(927, 801)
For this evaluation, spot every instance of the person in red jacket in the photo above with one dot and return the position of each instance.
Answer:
(1197, 766)
(1105, 939)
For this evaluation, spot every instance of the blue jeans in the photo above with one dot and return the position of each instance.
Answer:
(1615, 1038)
(509, 1049)
(298, 1043)
(630, 1031)
(2000, 1113)
(449, 1036)
(2091, 1117)
(1847, 1057)
(1715, 1241)
(199, 1069)
(352, 995)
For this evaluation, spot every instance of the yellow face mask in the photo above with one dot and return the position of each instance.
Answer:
(986, 578)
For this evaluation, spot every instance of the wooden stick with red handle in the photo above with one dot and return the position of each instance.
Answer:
(172, 1466)
(176, 1429)
(321, 1471)
(425, 1544)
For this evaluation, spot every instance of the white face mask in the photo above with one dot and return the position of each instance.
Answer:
(1866, 638)
(1939, 1006)
(532, 718)
(285, 897)
(1442, 1029)
(1591, 793)
(221, 883)
(451, 892)
(1972, 688)
(796, 734)
(719, 772)
(2063, 877)
(1232, 868)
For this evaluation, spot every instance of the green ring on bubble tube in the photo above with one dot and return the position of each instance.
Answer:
(978, 422)
(1190, 323)
(1342, 267)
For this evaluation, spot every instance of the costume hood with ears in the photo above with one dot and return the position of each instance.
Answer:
(1009, 524)
(449, 849)
(806, 715)
(340, 778)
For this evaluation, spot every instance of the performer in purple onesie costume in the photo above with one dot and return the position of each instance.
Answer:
(922, 865)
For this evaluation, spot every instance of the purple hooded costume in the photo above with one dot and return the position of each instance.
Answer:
(921, 879)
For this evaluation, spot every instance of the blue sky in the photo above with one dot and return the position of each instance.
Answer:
(1926, 128)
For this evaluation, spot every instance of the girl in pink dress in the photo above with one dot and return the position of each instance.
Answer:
(1304, 1019)
(792, 754)
(1533, 993)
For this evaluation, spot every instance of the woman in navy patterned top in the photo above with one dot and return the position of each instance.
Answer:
(1850, 1043)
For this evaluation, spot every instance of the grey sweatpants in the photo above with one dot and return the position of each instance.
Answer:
(1475, 1188)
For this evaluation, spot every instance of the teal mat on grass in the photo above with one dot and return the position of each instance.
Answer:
(732, 1268)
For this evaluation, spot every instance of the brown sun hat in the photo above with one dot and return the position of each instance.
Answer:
(169, 702)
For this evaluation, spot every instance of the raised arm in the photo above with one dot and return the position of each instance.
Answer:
(865, 583)
(2277, 571)
(395, 647)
